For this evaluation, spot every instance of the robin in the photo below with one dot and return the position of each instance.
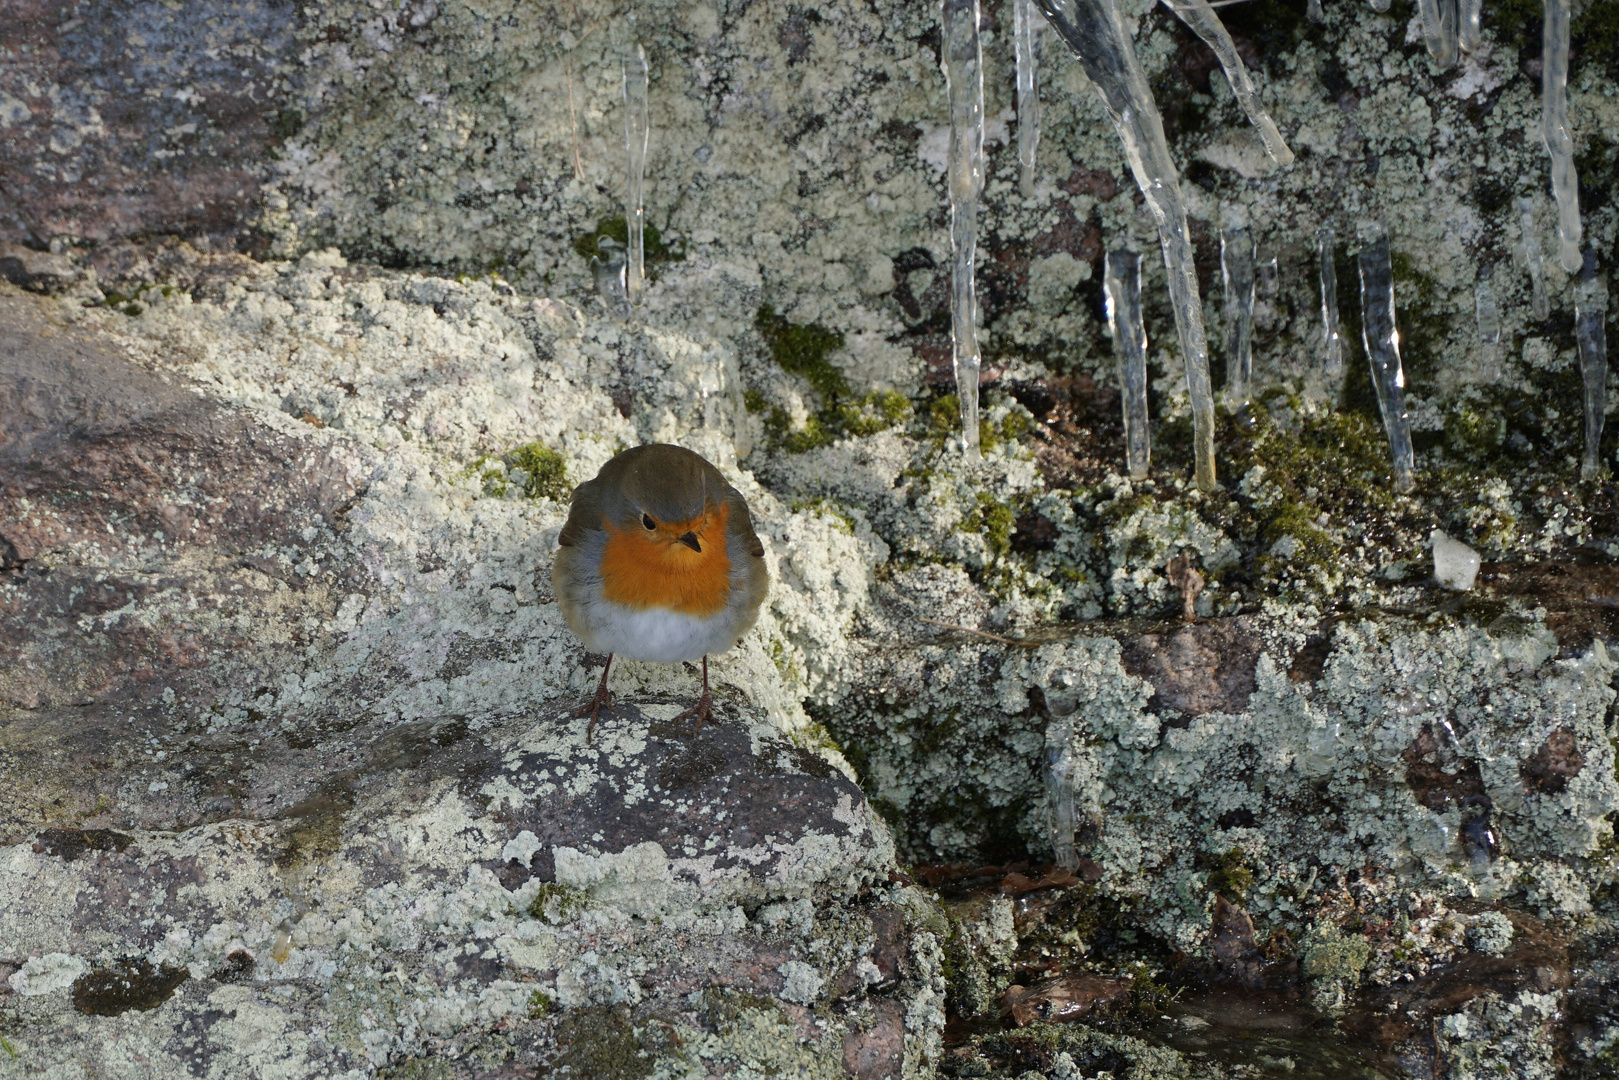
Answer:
(658, 561)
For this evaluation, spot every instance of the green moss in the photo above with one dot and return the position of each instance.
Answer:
(540, 1005)
(547, 471)
(556, 903)
(804, 350)
(1229, 875)
(876, 411)
(618, 228)
(994, 522)
(1475, 431)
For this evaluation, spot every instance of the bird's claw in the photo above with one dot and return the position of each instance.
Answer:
(601, 701)
(703, 710)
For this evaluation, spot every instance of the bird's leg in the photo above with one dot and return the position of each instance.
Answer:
(601, 700)
(704, 709)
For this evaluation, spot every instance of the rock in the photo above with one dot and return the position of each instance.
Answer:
(1455, 565)
(219, 825)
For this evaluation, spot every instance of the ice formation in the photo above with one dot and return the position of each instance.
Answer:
(1122, 285)
(1470, 35)
(1381, 5)
(1314, 13)
(1382, 341)
(1027, 24)
(1060, 818)
(636, 130)
(1590, 311)
(963, 72)
(1237, 272)
(1554, 132)
(1455, 565)
(1094, 31)
(608, 266)
(1200, 17)
(1439, 30)
(1332, 342)
(1539, 306)
(1489, 330)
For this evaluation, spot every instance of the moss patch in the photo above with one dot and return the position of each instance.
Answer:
(546, 471)
(556, 903)
(805, 350)
(656, 249)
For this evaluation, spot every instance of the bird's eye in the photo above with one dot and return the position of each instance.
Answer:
(646, 519)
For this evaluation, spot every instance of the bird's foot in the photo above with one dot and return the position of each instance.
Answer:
(601, 701)
(703, 710)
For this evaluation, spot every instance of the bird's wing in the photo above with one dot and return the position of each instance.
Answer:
(740, 522)
(584, 514)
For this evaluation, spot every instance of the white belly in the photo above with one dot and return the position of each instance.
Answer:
(657, 634)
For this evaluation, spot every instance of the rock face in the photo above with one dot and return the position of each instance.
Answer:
(230, 854)
(292, 787)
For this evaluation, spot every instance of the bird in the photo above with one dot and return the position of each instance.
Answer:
(658, 561)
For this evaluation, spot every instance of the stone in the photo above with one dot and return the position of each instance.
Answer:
(1455, 565)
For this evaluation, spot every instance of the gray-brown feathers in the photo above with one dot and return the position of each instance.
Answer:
(669, 482)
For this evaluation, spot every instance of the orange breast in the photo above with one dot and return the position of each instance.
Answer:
(645, 570)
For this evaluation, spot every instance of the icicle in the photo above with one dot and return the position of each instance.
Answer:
(1489, 331)
(1381, 6)
(1312, 11)
(1027, 24)
(1094, 31)
(1121, 284)
(1439, 30)
(1590, 312)
(1332, 342)
(963, 72)
(1539, 307)
(1554, 131)
(608, 266)
(636, 128)
(1382, 341)
(1198, 15)
(1237, 271)
(1061, 820)
(1471, 36)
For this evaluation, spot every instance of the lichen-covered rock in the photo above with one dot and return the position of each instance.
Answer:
(355, 825)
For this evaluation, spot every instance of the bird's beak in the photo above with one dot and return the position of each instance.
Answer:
(690, 540)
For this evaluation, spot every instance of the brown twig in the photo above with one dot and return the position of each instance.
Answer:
(980, 633)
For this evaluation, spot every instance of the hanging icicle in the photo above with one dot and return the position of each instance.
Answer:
(1469, 34)
(1094, 31)
(1198, 15)
(1489, 330)
(1121, 285)
(1061, 819)
(1382, 341)
(1554, 132)
(636, 131)
(1027, 25)
(1237, 272)
(1539, 306)
(1590, 312)
(1332, 342)
(963, 72)
(1439, 30)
